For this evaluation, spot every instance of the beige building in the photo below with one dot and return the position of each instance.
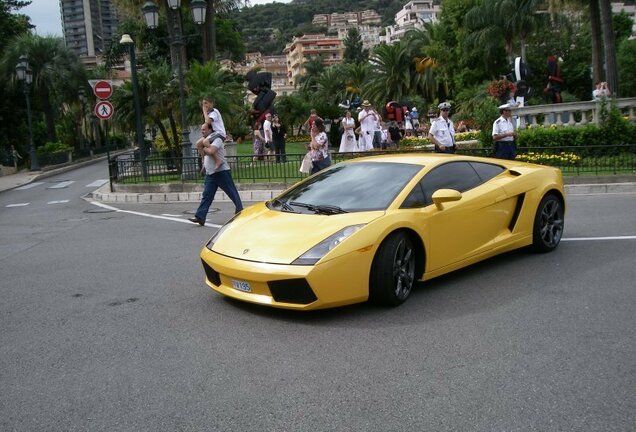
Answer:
(365, 17)
(370, 35)
(276, 65)
(412, 16)
(303, 48)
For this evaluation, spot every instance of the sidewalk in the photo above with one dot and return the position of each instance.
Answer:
(249, 193)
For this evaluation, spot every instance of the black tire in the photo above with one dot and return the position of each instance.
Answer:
(393, 271)
(548, 224)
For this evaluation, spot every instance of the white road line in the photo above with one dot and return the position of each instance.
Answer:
(599, 238)
(97, 183)
(18, 205)
(61, 185)
(29, 186)
(57, 202)
(150, 215)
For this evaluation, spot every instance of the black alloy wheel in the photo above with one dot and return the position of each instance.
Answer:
(393, 271)
(548, 224)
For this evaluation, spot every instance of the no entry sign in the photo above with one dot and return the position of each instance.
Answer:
(104, 110)
(103, 89)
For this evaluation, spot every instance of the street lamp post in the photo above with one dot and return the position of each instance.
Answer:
(151, 16)
(23, 71)
(127, 40)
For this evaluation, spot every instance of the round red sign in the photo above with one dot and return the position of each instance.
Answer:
(104, 110)
(103, 90)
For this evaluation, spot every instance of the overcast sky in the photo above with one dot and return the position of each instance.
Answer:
(45, 15)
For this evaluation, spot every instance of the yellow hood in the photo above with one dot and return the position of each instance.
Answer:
(263, 235)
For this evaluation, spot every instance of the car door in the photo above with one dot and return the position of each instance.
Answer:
(467, 227)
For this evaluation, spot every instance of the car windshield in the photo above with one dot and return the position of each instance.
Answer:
(350, 187)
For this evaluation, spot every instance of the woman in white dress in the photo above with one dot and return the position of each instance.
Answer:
(348, 142)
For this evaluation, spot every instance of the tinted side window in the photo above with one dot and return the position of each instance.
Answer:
(416, 198)
(455, 175)
(486, 171)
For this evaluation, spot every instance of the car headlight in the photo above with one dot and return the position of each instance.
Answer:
(315, 253)
(217, 235)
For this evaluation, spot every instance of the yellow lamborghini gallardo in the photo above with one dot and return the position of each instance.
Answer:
(369, 228)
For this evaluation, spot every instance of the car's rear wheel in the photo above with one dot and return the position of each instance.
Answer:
(393, 271)
(548, 224)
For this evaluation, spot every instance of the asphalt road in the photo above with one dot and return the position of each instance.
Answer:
(106, 325)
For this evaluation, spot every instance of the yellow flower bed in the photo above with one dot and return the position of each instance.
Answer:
(561, 159)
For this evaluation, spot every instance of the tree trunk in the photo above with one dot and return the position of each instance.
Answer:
(49, 116)
(209, 33)
(212, 31)
(597, 54)
(609, 45)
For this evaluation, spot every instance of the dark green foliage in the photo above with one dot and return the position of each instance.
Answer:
(267, 28)
(626, 57)
(354, 51)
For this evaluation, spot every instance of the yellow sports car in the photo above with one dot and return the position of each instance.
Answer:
(369, 228)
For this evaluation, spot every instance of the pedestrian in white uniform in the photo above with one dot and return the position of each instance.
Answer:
(503, 134)
(442, 132)
(367, 119)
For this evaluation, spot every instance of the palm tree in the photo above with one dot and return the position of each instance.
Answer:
(609, 45)
(312, 69)
(293, 110)
(56, 70)
(215, 7)
(392, 74)
(331, 84)
(226, 87)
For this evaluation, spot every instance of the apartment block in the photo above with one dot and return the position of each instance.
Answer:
(308, 46)
(412, 16)
(88, 25)
(365, 17)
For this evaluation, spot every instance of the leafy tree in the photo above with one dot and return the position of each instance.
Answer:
(12, 24)
(312, 69)
(57, 73)
(393, 75)
(293, 110)
(354, 50)
(626, 58)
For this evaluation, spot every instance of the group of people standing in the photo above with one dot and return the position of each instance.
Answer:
(269, 139)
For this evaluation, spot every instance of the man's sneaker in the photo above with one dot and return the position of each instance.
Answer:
(197, 221)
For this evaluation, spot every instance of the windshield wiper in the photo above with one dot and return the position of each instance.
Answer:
(283, 205)
(321, 208)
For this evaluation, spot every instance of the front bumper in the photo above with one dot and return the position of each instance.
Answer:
(337, 282)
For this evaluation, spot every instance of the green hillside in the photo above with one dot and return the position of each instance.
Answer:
(267, 28)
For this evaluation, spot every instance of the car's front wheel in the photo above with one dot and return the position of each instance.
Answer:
(393, 271)
(548, 224)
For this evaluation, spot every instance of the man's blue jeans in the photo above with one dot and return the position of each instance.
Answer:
(223, 180)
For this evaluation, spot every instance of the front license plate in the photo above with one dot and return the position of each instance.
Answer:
(241, 286)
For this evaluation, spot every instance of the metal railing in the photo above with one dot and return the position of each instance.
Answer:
(572, 160)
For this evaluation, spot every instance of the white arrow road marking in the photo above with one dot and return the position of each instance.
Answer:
(57, 202)
(18, 205)
(98, 204)
(29, 186)
(97, 183)
(61, 185)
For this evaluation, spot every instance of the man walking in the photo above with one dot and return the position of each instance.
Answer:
(367, 119)
(216, 176)
(503, 134)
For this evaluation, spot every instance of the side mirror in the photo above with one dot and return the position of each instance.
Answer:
(445, 195)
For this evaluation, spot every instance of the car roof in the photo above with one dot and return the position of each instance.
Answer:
(424, 159)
